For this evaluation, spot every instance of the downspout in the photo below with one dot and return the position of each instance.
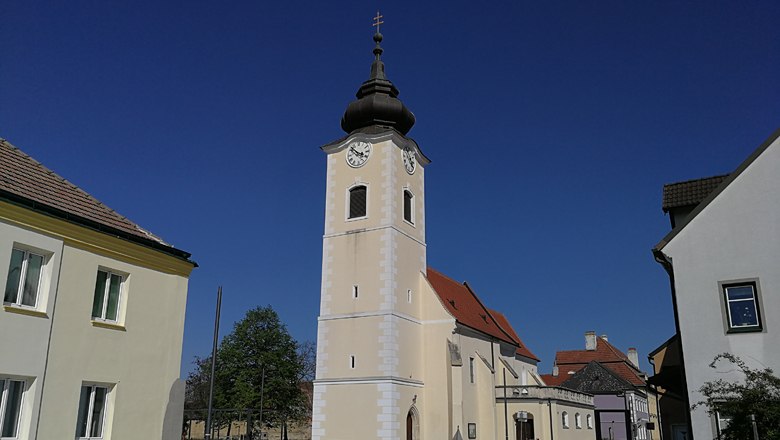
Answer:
(506, 411)
(48, 342)
(552, 423)
(666, 263)
(657, 402)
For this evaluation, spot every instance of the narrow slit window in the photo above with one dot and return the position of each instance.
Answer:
(352, 361)
(408, 206)
(471, 369)
(355, 291)
(357, 201)
(409, 296)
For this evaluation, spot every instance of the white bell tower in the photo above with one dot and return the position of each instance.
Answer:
(369, 338)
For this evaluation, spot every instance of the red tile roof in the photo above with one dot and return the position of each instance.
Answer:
(502, 322)
(24, 180)
(606, 354)
(462, 303)
(554, 381)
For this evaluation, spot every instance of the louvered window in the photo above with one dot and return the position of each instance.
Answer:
(408, 206)
(357, 202)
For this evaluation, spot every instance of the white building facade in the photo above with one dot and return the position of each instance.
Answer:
(722, 258)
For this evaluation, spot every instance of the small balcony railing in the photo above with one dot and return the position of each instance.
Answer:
(543, 393)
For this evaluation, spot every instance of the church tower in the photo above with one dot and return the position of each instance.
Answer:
(369, 338)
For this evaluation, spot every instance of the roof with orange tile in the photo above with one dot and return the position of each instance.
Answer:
(462, 303)
(606, 354)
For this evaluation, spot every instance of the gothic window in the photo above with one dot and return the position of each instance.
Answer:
(357, 201)
(565, 419)
(408, 206)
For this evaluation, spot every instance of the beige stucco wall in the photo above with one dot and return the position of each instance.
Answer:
(138, 358)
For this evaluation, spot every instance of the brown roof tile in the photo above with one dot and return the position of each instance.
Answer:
(690, 192)
(502, 322)
(25, 180)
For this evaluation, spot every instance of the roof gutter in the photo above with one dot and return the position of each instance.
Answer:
(91, 224)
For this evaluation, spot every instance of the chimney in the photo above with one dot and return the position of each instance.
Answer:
(555, 371)
(633, 356)
(604, 337)
(590, 340)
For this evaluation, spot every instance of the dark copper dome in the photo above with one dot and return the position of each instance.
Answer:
(377, 102)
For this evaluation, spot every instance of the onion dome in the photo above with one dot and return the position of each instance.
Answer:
(377, 101)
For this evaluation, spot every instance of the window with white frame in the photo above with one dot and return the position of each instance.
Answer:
(578, 421)
(358, 201)
(408, 206)
(589, 421)
(565, 419)
(11, 395)
(722, 420)
(24, 278)
(108, 292)
(742, 309)
(92, 412)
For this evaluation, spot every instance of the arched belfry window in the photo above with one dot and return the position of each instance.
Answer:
(408, 206)
(357, 201)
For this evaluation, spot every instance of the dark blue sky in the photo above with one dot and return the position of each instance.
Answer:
(552, 127)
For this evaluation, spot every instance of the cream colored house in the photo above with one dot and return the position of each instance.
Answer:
(93, 314)
(405, 352)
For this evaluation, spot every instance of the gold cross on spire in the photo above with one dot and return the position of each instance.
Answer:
(377, 21)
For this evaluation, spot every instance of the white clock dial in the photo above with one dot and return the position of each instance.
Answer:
(357, 153)
(410, 160)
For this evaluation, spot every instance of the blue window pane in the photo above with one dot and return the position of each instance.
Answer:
(741, 292)
(743, 314)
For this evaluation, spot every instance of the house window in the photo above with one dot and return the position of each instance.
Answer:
(471, 369)
(24, 278)
(589, 421)
(578, 421)
(11, 393)
(92, 412)
(357, 201)
(722, 421)
(565, 419)
(742, 307)
(408, 206)
(108, 289)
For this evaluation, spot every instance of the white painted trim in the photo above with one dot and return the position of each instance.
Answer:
(371, 380)
(377, 228)
(404, 316)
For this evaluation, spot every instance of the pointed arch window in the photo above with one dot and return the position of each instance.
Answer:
(357, 201)
(408, 206)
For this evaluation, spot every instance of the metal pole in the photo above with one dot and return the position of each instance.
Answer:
(207, 433)
(262, 391)
(755, 427)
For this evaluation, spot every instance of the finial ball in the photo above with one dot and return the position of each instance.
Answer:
(378, 37)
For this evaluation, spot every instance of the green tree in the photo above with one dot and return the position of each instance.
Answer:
(258, 344)
(758, 395)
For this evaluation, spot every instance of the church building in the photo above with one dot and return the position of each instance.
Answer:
(404, 351)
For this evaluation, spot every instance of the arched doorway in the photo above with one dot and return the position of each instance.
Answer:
(412, 424)
(524, 428)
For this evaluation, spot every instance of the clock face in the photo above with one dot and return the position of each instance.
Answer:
(357, 153)
(410, 160)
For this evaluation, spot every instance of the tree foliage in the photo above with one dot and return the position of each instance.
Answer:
(758, 395)
(258, 361)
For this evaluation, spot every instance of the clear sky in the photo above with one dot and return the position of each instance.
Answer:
(552, 127)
